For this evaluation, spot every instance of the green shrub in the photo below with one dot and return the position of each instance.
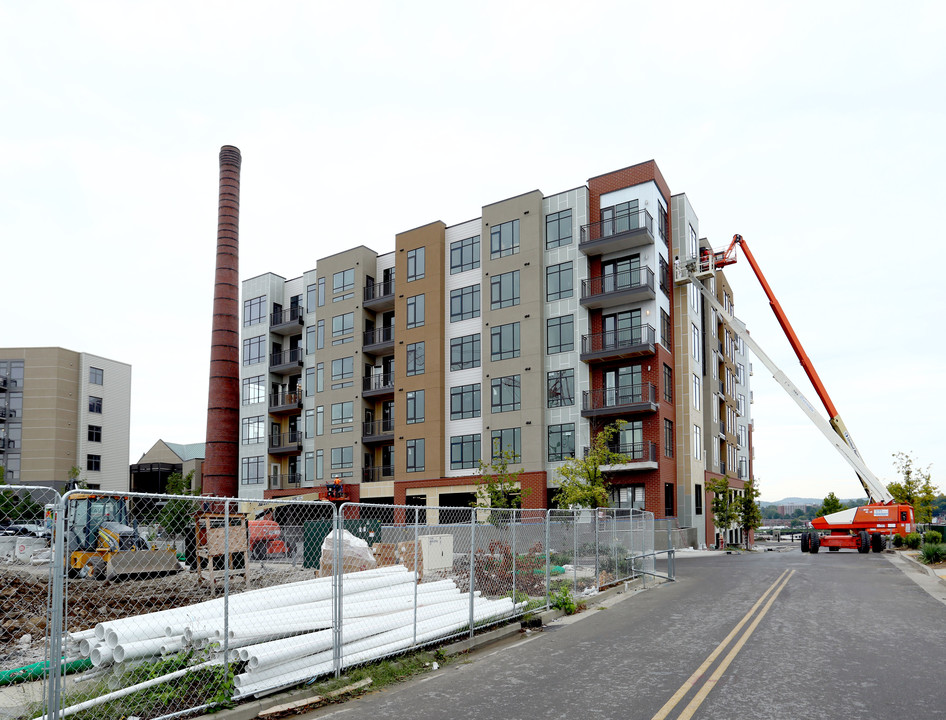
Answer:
(563, 600)
(913, 540)
(898, 541)
(933, 537)
(932, 553)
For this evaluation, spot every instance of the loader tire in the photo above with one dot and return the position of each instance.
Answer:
(864, 538)
(814, 543)
(877, 542)
(805, 545)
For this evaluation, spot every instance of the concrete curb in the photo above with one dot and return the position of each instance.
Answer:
(926, 568)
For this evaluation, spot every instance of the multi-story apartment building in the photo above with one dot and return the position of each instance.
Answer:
(527, 329)
(61, 409)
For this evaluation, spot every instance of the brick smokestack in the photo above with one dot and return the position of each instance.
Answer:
(221, 462)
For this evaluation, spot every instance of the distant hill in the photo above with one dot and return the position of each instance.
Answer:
(808, 501)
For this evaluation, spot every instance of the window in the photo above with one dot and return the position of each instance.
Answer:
(558, 281)
(342, 413)
(464, 451)
(254, 391)
(620, 218)
(342, 457)
(695, 342)
(321, 291)
(310, 339)
(320, 335)
(254, 350)
(741, 404)
(741, 435)
(465, 401)
(319, 464)
(694, 297)
(254, 311)
(415, 358)
(691, 242)
(662, 222)
(508, 440)
(504, 341)
(252, 430)
(629, 496)
(504, 239)
(415, 311)
(668, 383)
(96, 376)
(697, 391)
(415, 264)
(95, 404)
(668, 438)
(558, 229)
(95, 433)
(343, 368)
(560, 389)
(252, 470)
(740, 373)
(319, 377)
(698, 499)
(343, 324)
(505, 393)
(415, 455)
(465, 303)
(697, 442)
(561, 442)
(310, 423)
(464, 255)
(93, 463)
(310, 466)
(668, 500)
(666, 338)
(415, 406)
(664, 276)
(560, 334)
(465, 352)
(310, 298)
(320, 420)
(504, 290)
(343, 281)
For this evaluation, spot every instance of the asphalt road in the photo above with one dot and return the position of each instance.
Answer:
(756, 635)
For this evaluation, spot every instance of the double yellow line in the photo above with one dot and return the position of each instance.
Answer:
(691, 682)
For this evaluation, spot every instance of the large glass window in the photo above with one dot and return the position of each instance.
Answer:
(415, 358)
(252, 430)
(415, 455)
(619, 218)
(252, 470)
(507, 440)
(96, 376)
(695, 342)
(560, 334)
(95, 433)
(254, 350)
(343, 281)
(415, 264)
(310, 298)
(558, 281)
(464, 255)
(415, 311)
(343, 324)
(254, 390)
(342, 413)
(697, 442)
(505, 393)
(465, 303)
(504, 341)
(560, 390)
(665, 335)
(343, 368)
(464, 451)
(504, 290)
(697, 391)
(310, 339)
(465, 401)
(415, 406)
(93, 463)
(668, 383)
(504, 239)
(342, 457)
(561, 442)
(95, 404)
(558, 229)
(668, 438)
(465, 352)
(254, 311)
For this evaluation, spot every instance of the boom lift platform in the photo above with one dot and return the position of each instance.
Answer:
(861, 528)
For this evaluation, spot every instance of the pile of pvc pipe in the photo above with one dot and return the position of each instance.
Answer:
(283, 635)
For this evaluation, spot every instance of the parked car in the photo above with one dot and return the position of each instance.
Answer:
(27, 529)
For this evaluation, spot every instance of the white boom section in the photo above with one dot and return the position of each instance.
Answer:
(875, 489)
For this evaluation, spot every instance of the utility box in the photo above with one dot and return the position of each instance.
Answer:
(438, 551)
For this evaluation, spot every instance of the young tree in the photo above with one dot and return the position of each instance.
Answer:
(915, 487)
(723, 509)
(176, 513)
(749, 515)
(831, 504)
(497, 486)
(581, 480)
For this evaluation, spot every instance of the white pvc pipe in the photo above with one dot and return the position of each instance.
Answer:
(141, 648)
(87, 645)
(101, 655)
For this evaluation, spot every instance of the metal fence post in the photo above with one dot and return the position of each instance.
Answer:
(337, 604)
(597, 559)
(548, 558)
(57, 625)
(472, 563)
(416, 544)
(575, 551)
(513, 555)
(226, 581)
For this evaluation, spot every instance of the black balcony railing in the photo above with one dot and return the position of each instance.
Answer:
(624, 281)
(276, 481)
(377, 474)
(286, 357)
(291, 440)
(382, 381)
(285, 399)
(379, 335)
(287, 315)
(377, 427)
(617, 225)
(618, 340)
(379, 290)
(633, 452)
(619, 397)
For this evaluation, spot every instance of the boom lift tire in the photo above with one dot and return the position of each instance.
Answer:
(814, 543)
(864, 544)
(805, 545)
(877, 542)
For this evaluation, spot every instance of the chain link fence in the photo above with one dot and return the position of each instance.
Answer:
(173, 604)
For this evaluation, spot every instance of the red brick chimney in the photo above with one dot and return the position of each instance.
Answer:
(221, 462)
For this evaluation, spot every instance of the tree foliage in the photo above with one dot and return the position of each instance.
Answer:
(581, 480)
(176, 513)
(497, 486)
(724, 510)
(915, 487)
(18, 506)
(829, 505)
(749, 515)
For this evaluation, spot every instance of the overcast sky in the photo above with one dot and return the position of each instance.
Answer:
(814, 129)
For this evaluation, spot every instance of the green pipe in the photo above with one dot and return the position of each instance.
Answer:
(37, 671)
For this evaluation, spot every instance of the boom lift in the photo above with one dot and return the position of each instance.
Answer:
(861, 528)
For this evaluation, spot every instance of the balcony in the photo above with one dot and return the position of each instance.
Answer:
(379, 296)
(620, 233)
(379, 341)
(377, 474)
(6, 444)
(287, 362)
(378, 385)
(379, 431)
(4, 383)
(285, 403)
(287, 322)
(639, 456)
(619, 401)
(619, 344)
(287, 443)
(4, 412)
(624, 287)
(291, 479)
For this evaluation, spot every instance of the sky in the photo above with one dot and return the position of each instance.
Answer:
(813, 129)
